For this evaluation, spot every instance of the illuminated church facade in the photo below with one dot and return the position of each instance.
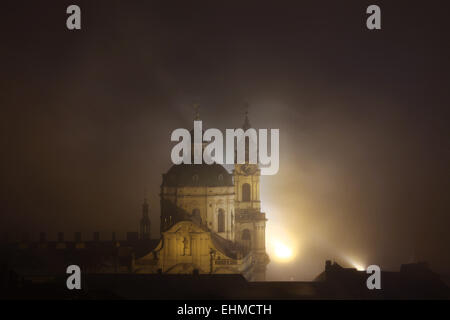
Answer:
(211, 222)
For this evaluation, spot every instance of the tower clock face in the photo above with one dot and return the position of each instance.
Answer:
(248, 169)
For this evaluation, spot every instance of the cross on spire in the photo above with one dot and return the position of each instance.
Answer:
(247, 124)
(197, 113)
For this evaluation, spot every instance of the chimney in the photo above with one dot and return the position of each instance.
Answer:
(60, 236)
(77, 236)
(42, 237)
(96, 236)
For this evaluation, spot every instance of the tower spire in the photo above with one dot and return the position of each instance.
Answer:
(197, 113)
(246, 124)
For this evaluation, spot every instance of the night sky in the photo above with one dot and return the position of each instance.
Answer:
(86, 118)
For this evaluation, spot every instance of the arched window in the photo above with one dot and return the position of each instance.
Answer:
(246, 235)
(221, 221)
(195, 178)
(246, 192)
(196, 217)
(246, 239)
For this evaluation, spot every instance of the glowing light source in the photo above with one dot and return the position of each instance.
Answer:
(281, 245)
(359, 267)
(355, 262)
(282, 252)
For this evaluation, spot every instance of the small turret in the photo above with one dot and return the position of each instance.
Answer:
(145, 222)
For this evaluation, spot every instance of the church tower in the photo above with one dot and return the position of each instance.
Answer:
(250, 221)
(145, 222)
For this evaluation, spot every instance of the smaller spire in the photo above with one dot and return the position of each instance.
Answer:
(145, 221)
(197, 113)
(247, 124)
(145, 208)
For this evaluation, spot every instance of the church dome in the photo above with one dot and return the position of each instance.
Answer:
(197, 175)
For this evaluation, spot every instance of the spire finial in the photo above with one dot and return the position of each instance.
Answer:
(145, 207)
(197, 113)
(247, 124)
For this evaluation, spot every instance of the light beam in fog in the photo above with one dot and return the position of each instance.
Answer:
(356, 264)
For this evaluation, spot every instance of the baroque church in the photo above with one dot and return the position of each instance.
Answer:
(211, 222)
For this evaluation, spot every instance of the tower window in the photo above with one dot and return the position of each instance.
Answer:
(246, 192)
(221, 221)
(246, 234)
(220, 177)
(195, 178)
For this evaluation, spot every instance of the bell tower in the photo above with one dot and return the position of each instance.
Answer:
(250, 229)
(246, 176)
